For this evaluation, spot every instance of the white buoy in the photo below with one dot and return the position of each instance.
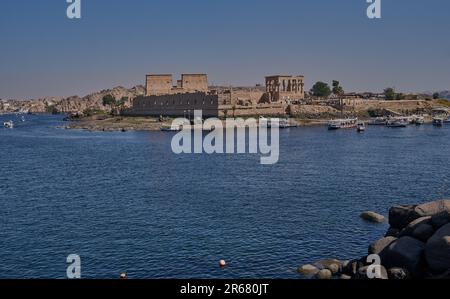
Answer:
(222, 263)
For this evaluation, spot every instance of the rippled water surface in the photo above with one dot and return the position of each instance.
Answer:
(124, 202)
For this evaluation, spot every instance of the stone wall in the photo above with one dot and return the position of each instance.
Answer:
(158, 85)
(194, 82)
(247, 111)
(175, 105)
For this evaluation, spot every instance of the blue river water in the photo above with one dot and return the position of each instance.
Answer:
(125, 202)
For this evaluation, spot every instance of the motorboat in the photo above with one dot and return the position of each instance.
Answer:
(379, 121)
(342, 124)
(418, 121)
(396, 123)
(171, 129)
(438, 122)
(9, 124)
(361, 127)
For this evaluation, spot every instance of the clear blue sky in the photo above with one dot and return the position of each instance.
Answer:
(117, 42)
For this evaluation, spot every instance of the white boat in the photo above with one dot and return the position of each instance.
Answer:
(438, 122)
(361, 127)
(379, 121)
(419, 120)
(9, 124)
(283, 123)
(397, 123)
(447, 121)
(342, 124)
(171, 129)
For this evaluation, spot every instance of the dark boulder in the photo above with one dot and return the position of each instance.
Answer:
(392, 232)
(378, 246)
(401, 216)
(363, 273)
(406, 252)
(398, 274)
(420, 229)
(351, 268)
(437, 251)
(440, 219)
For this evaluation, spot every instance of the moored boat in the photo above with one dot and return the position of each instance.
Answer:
(171, 129)
(361, 127)
(9, 124)
(438, 122)
(396, 123)
(342, 124)
(419, 120)
(379, 121)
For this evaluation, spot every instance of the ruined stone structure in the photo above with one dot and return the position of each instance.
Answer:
(157, 85)
(192, 93)
(285, 88)
(182, 104)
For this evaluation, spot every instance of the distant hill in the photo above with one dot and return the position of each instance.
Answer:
(73, 103)
(445, 94)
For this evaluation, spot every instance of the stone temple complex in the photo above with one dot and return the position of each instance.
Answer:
(191, 92)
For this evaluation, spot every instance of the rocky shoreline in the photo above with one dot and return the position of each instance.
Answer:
(125, 124)
(416, 246)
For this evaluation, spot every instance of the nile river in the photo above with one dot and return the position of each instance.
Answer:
(125, 202)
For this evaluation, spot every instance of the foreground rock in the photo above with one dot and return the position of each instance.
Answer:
(417, 245)
(437, 250)
(406, 253)
(372, 217)
(308, 270)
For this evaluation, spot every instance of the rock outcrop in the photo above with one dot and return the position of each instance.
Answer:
(416, 246)
(372, 217)
(72, 104)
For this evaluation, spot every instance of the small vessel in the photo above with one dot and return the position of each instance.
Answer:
(418, 121)
(170, 129)
(447, 121)
(396, 123)
(438, 122)
(283, 123)
(379, 121)
(361, 127)
(9, 124)
(337, 124)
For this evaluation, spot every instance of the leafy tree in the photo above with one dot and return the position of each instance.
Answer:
(389, 94)
(337, 88)
(321, 89)
(122, 102)
(399, 96)
(108, 100)
(436, 95)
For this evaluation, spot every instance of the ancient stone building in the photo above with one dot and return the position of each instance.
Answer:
(192, 93)
(157, 85)
(285, 88)
(182, 104)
